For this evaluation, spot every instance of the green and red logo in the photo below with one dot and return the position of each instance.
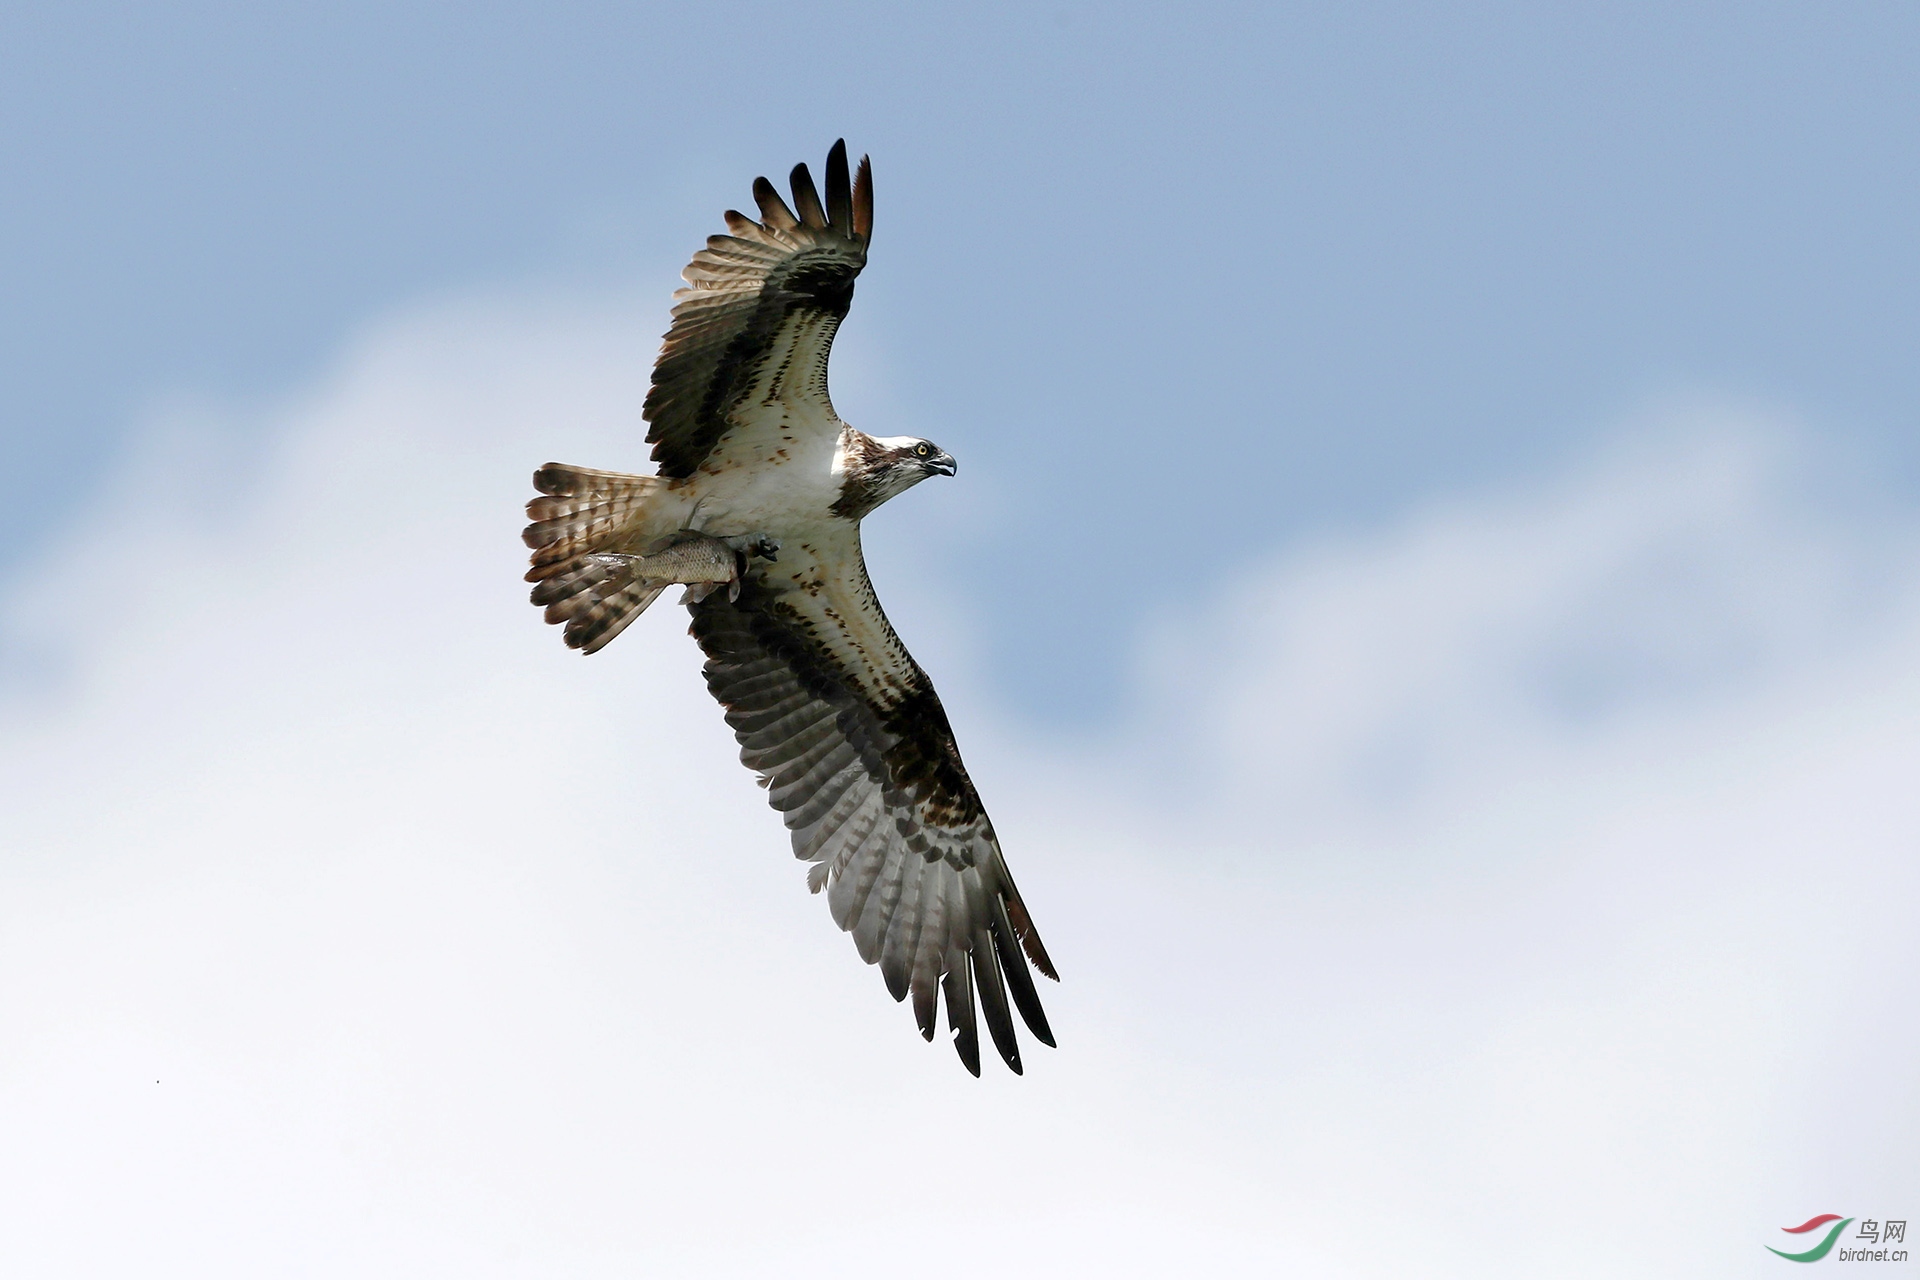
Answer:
(1825, 1246)
(1869, 1244)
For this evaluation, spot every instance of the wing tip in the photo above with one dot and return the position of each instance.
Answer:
(1019, 981)
(965, 1031)
(839, 190)
(1022, 925)
(773, 210)
(806, 198)
(983, 962)
(863, 200)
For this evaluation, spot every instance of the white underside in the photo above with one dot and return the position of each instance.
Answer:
(780, 477)
(778, 472)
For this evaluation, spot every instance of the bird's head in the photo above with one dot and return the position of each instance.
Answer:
(888, 466)
(915, 459)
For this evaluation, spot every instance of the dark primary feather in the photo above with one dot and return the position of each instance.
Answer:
(744, 291)
(876, 796)
(806, 200)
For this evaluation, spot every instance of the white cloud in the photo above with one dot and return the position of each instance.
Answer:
(1414, 666)
(1526, 889)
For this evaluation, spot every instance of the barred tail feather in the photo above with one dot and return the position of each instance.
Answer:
(581, 511)
(581, 515)
(595, 597)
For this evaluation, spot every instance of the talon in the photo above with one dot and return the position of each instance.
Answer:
(755, 544)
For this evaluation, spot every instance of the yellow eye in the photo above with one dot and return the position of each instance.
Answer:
(922, 450)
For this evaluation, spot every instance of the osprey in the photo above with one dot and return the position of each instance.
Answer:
(756, 508)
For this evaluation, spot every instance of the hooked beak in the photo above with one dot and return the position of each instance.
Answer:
(941, 463)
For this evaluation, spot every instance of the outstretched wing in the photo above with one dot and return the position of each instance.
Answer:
(757, 318)
(854, 747)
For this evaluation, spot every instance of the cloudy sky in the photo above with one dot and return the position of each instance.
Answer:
(1430, 596)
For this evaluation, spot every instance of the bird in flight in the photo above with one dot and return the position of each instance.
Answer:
(756, 510)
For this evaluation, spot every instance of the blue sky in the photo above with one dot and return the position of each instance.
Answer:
(1430, 598)
(1319, 263)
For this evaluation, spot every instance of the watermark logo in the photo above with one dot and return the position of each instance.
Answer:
(1868, 1244)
